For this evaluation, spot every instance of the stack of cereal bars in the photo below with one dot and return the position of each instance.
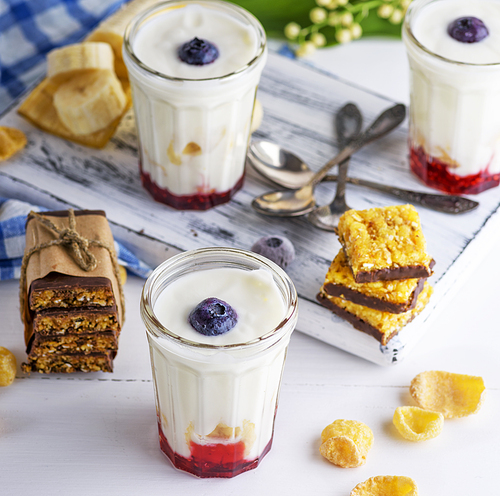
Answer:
(377, 281)
(72, 317)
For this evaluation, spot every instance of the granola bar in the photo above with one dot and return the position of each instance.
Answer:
(389, 296)
(384, 244)
(381, 325)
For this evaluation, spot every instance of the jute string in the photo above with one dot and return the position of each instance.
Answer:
(79, 248)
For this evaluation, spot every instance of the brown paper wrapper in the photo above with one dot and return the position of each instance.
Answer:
(90, 224)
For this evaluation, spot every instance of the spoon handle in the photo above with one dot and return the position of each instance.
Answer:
(385, 122)
(442, 203)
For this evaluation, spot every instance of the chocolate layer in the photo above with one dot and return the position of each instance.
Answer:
(373, 302)
(79, 320)
(68, 363)
(392, 274)
(355, 321)
(60, 290)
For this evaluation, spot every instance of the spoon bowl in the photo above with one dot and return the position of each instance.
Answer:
(293, 203)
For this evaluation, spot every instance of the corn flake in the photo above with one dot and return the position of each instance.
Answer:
(346, 443)
(11, 141)
(386, 485)
(453, 395)
(417, 424)
(8, 367)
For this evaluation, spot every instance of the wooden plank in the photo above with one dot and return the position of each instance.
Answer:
(299, 103)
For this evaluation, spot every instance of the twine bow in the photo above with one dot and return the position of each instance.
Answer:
(77, 244)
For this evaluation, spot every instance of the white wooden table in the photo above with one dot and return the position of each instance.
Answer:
(96, 434)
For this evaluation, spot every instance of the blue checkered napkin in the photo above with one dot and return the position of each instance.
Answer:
(13, 215)
(31, 28)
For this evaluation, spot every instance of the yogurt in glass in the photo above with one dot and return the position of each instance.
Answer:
(193, 121)
(216, 396)
(454, 95)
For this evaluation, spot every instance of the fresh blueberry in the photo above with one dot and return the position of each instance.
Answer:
(468, 30)
(198, 52)
(212, 317)
(277, 248)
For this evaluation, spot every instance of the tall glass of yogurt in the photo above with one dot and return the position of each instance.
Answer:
(453, 48)
(193, 116)
(217, 395)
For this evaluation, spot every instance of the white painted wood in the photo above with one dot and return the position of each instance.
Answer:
(299, 103)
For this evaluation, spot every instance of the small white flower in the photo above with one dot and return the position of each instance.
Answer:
(333, 19)
(318, 39)
(396, 16)
(346, 19)
(385, 11)
(343, 36)
(342, 2)
(317, 15)
(292, 30)
(307, 48)
(323, 3)
(356, 31)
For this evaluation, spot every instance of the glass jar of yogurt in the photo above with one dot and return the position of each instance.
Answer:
(453, 48)
(217, 395)
(193, 115)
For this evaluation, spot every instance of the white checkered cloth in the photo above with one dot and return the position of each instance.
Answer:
(13, 215)
(31, 28)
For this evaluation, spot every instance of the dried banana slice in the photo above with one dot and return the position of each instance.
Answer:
(386, 485)
(8, 366)
(346, 443)
(90, 102)
(11, 141)
(417, 424)
(70, 60)
(454, 395)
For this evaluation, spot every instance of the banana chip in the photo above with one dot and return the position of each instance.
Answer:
(453, 395)
(386, 485)
(346, 443)
(417, 424)
(11, 141)
(8, 367)
(39, 109)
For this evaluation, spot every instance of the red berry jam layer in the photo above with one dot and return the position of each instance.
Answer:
(224, 460)
(436, 173)
(187, 202)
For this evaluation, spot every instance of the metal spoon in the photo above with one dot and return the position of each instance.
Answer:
(288, 171)
(348, 124)
(301, 201)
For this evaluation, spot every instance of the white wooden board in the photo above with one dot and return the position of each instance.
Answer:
(299, 104)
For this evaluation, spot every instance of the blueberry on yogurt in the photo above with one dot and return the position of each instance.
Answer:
(198, 52)
(213, 317)
(468, 30)
(277, 248)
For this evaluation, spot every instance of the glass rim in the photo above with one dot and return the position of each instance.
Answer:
(149, 318)
(134, 25)
(410, 13)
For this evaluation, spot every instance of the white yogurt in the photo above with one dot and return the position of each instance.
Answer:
(228, 381)
(253, 295)
(455, 86)
(194, 131)
(158, 40)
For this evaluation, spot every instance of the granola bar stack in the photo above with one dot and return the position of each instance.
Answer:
(377, 281)
(72, 317)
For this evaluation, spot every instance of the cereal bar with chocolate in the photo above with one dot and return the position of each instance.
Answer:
(381, 325)
(72, 343)
(67, 363)
(384, 244)
(53, 321)
(389, 296)
(71, 296)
